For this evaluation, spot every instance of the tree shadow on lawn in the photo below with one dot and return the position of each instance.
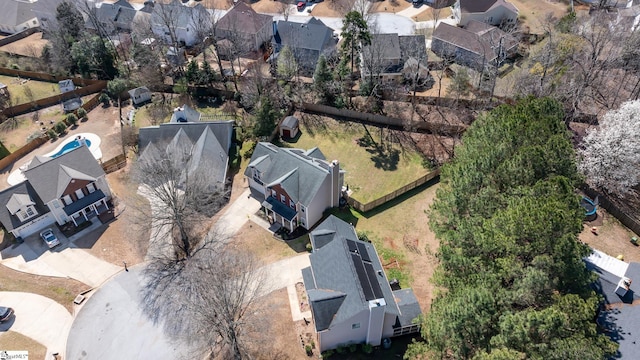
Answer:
(385, 159)
(389, 204)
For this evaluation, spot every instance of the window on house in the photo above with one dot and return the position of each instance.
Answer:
(302, 208)
(30, 211)
(355, 326)
(283, 199)
(273, 193)
(91, 187)
(292, 204)
(79, 194)
(67, 200)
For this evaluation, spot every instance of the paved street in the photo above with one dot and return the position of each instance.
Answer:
(111, 326)
(39, 318)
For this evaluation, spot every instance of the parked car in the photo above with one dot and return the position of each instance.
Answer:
(417, 3)
(301, 5)
(5, 313)
(49, 238)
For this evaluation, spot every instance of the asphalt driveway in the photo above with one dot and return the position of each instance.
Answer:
(39, 318)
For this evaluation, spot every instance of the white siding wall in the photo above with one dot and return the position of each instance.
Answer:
(104, 186)
(343, 333)
(320, 203)
(254, 185)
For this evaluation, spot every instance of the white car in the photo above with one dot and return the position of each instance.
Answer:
(49, 238)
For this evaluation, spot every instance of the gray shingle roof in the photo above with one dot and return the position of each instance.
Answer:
(176, 14)
(408, 306)
(49, 179)
(313, 35)
(138, 91)
(290, 122)
(16, 12)
(207, 142)
(244, 19)
(622, 320)
(275, 163)
(332, 273)
(11, 222)
(480, 6)
(478, 38)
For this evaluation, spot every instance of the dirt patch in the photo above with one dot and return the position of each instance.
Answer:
(124, 239)
(532, 13)
(612, 237)
(283, 342)
(332, 8)
(264, 246)
(431, 14)
(271, 7)
(31, 46)
(391, 6)
(60, 290)
(13, 341)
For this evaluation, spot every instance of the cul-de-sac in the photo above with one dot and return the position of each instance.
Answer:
(328, 179)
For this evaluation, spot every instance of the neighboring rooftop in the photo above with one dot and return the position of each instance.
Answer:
(481, 6)
(243, 18)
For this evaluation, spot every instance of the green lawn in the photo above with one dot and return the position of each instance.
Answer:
(39, 89)
(373, 168)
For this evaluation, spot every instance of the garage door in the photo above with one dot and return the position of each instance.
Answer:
(35, 226)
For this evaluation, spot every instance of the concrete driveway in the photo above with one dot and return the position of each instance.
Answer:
(283, 273)
(111, 326)
(39, 318)
(236, 214)
(65, 260)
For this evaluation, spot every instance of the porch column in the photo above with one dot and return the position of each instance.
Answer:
(85, 215)
(74, 220)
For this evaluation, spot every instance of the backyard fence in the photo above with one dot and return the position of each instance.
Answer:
(628, 221)
(53, 100)
(114, 164)
(21, 152)
(18, 36)
(386, 121)
(363, 208)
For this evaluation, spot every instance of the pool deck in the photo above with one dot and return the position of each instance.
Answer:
(17, 176)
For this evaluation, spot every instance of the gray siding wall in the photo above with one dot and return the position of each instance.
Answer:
(342, 334)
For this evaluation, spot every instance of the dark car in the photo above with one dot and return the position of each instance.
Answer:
(5, 313)
(417, 3)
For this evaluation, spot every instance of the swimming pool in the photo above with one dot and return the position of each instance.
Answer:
(70, 146)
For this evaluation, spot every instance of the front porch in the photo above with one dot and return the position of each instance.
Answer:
(87, 208)
(277, 212)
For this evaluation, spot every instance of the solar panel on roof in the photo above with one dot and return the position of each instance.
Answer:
(352, 246)
(362, 276)
(363, 252)
(375, 285)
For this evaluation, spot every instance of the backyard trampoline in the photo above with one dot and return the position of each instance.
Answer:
(590, 208)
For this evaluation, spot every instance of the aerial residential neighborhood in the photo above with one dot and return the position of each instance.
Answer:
(343, 179)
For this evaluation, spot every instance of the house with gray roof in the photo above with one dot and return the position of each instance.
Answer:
(245, 28)
(175, 22)
(349, 294)
(68, 188)
(391, 56)
(295, 186)
(618, 317)
(492, 12)
(307, 41)
(140, 95)
(206, 144)
(108, 18)
(19, 15)
(477, 46)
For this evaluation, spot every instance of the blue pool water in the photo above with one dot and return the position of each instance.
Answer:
(70, 146)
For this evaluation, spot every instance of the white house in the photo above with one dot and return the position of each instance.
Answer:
(69, 188)
(140, 95)
(492, 12)
(350, 297)
(187, 22)
(296, 186)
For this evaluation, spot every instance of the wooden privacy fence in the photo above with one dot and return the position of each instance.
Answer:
(613, 209)
(386, 121)
(114, 164)
(363, 208)
(18, 36)
(18, 154)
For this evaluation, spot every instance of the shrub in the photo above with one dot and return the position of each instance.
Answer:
(308, 247)
(104, 99)
(60, 127)
(327, 354)
(353, 348)
(341, 349)
(52, 134)
(308, 349)
(367, 348)
(82, 113)
(72, 119)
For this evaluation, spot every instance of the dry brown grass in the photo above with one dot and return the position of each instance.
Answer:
(429, 15)
(61, 290)
(264, 246)
(333, 8)
(31, 46)
(392, 6)
(612, 239)
(14, 341)
(533, 12)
